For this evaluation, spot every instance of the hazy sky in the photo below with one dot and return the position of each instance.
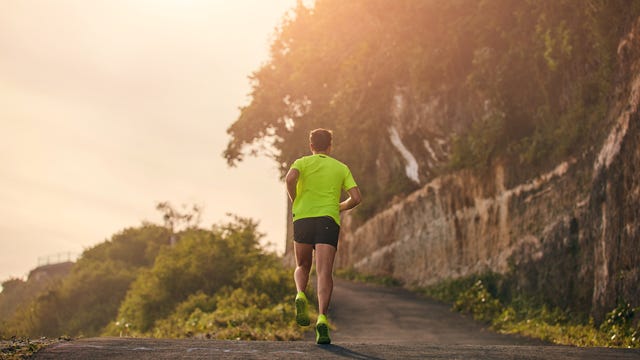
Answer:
(110, 106)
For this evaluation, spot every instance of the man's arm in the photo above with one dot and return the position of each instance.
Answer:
(292, 180)
(353, 200)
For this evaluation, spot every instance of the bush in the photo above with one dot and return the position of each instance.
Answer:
(216, 283)
(619, 326)
(87, 299)
(531, 317)
(478, 302)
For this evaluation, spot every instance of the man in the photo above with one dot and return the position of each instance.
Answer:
(315, 184)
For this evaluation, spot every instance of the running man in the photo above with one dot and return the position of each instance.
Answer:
(315, 184)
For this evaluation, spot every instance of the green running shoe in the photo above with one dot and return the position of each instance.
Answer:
(302, 314)
(322, 330)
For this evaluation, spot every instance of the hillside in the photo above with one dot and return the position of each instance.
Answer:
(488, 136)
(566, 237)
(415, 89)
(17, 291)
(152, 281)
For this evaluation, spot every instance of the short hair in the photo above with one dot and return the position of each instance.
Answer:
(320, 139)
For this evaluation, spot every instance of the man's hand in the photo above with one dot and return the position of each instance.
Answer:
(354, 199)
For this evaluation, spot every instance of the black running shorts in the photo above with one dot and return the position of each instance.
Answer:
(316, 230)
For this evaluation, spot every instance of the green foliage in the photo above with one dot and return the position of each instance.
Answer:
(239, 314)
(550, 74)
(527, 81)
(89, 297)
(478, 302)
(476, 148)
(81, 304)
(330, 68)
(13, 291)
(175, 219)
(557, 326)
(449, 290)
(132, 247)
(622, 326)
(249, 315)
(216, 283)
(479, 296)
(201, 261)
(16, 292)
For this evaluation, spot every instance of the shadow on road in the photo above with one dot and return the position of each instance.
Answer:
(346, 353)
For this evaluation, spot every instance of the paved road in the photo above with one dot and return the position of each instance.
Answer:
(371, 322)
(154, 349)
(375, 314)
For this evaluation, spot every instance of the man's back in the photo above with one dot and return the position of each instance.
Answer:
(320, 184)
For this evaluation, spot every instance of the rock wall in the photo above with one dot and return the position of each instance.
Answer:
(614, 209)
(571, 235)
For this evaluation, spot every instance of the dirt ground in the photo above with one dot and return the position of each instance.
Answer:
(369, 322)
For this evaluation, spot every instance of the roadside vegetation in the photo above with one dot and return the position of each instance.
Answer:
(212, 283)
(484, 298)
(481, 298)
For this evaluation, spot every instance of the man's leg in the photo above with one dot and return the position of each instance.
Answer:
(304, 256)
(325, 254)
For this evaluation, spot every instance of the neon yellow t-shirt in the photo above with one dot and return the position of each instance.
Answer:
(320, 184)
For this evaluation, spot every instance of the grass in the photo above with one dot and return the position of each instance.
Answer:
(527, 317)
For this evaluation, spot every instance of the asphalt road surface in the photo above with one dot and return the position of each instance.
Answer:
(369, 322)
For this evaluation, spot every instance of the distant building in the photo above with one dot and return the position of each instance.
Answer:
(47, 272)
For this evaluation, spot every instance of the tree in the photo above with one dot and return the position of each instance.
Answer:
(174, 219)
(204, 261)
(526, 82)
(86, 300)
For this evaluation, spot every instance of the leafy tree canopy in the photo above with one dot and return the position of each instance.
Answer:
(527, 81)
(216, 281)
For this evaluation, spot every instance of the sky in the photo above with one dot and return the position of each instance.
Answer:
(108, 107)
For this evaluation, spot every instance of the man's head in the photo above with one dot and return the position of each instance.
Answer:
(320, 139)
